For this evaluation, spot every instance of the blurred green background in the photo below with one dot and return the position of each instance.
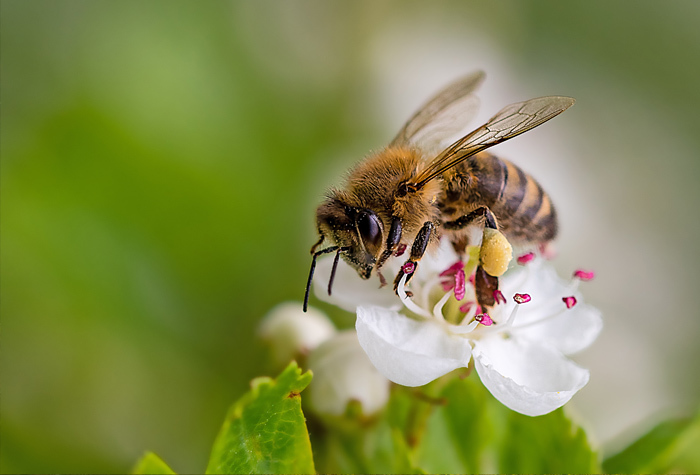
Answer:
(161, 162)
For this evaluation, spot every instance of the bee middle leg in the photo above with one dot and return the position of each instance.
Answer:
(485, 284)
(420, 244)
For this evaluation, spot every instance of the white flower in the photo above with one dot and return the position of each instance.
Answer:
(518, 348)
(343, 373)
(292, 333)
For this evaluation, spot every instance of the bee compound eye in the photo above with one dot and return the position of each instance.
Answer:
(370, 228)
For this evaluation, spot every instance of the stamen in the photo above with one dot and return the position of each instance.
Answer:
(472, 279)
(525, 258)
(468, 306)
(462, 329)
(447, 285)
(459, 285)
(484, 319)
(569, 301)
(423, 298)
(522, 298)
(453, 269)
(572, 287)
(498, 296)
(400, 250)
(408, 303)
(437, 309)
(408, 268)
(584, 275)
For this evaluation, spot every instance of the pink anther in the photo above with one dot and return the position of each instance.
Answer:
(569, 301)
(525, 258)
(459, 285)
(400, 250)
(468, 306)
(484, 319)
(452, 270)
(584, 275)
(408, 268)
(522, 298)
(472, 279)
(498, 296)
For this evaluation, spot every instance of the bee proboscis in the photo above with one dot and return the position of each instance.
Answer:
(408, 194)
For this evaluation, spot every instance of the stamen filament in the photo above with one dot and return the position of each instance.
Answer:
(437, 309)
(464, 329)
(572, 287)
(408, 303)
(541, 320)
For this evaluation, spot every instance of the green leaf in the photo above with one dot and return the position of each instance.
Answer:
(151, 464)
(469, 421)
(355, 443)
(671, 446)
(546, 444)
(469, 431)
(265, 430)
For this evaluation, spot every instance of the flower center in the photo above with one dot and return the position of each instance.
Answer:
(450, 298)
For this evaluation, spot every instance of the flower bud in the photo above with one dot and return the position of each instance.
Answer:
(291, 332)
(342, 374)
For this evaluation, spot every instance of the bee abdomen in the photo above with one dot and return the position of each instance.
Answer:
(524, 210)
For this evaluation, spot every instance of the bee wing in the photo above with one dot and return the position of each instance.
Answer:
(510, 122)
(443, 116)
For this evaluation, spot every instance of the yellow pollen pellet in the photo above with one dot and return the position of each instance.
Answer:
(496, 252)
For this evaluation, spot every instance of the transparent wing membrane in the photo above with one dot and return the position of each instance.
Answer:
(510, 122)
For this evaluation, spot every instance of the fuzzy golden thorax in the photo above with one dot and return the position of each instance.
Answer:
(359, 216)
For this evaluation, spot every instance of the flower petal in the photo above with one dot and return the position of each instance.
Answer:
(343, 373)
(409, 352)
(350, 290)
(569, 331)
(530, 379)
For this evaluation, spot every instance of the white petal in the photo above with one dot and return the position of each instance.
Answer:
(570, 330)
(343, 373)
(409, 352)
(530, 379)
(291, 332)
(349, 289)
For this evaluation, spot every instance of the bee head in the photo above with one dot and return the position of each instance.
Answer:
(358, 232)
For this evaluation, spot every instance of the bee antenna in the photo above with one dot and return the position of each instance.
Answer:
(335, 267)
(313, 268)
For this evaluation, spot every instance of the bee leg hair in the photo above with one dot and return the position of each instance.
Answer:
(392, 241)
(420, 244)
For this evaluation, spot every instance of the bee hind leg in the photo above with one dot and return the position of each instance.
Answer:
(420, 244)
(486, 287)
(494, 256)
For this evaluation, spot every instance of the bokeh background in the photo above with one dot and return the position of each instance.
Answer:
(161, 162)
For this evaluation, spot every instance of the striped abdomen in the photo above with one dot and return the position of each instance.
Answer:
(524, 211)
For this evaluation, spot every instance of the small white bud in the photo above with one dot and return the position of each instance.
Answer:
(343, 373)
(291, 332)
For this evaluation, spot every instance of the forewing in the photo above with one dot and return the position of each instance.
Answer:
(443, 116)
(510, 122)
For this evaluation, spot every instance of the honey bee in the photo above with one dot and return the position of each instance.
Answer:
(408, 194)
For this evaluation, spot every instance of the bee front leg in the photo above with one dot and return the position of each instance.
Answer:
(392, 242)
(420, 244)
(494, 256)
